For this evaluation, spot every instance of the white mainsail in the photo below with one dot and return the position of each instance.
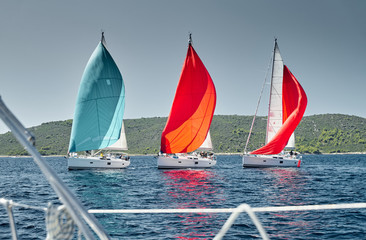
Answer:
(207, 144)
(274, 121)
(121, 143)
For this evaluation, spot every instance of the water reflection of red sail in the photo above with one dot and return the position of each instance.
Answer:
(193, 189)
(289, 187)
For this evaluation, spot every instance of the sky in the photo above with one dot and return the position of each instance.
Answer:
(45, 45)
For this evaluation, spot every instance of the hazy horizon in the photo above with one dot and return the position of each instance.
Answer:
(46, 45)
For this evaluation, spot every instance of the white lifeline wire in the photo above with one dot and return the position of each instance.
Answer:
(229, 222)
(235, 213)
(229, 210)
(206, 210)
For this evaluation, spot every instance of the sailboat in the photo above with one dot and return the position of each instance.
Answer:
(98, 127)
(287, 105)
(186, 141)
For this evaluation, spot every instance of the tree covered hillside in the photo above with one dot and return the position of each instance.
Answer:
(52, 138)
(326, 133)
(331, 133)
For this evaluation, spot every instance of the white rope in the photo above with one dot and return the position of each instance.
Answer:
(59, 223)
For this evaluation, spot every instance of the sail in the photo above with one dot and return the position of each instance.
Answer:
(121, 144)
(192, 110)
(274, 121)
(207, 144)
(294, 103)
(100, 104)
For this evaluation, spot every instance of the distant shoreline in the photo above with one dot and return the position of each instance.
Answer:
(348, 153)
(217, 154)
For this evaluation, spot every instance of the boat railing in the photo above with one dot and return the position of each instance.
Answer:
(85, 221)
(235, 212)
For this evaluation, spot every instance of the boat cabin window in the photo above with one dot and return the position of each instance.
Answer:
(91, 162)
(195, 162)
(281, 161)
(108, 163)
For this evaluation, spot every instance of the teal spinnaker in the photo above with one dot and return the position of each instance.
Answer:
(100, 104)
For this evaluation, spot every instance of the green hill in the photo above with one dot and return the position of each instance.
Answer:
(326, 133)
(331, 133)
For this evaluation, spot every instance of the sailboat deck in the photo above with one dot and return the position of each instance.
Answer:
(177, 161)
(261, 161)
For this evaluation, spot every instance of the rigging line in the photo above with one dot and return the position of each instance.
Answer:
(259, 100)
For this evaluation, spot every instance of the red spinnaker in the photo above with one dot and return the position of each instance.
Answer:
(294, 103)
(192, 110)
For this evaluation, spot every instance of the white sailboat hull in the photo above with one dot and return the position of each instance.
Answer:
(185, 161)
(263, 161)
(77, 163)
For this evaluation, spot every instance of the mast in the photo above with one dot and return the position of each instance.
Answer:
(275, 116)
(270, 94)
(102, 40)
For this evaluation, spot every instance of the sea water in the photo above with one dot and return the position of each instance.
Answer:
(322, 179)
